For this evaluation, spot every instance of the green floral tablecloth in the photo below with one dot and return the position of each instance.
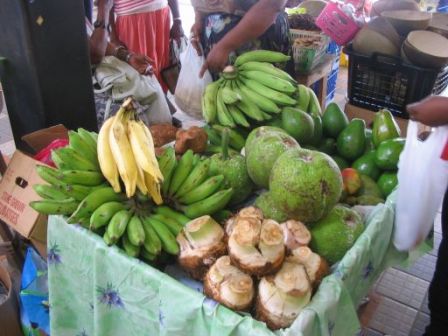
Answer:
(97, 290)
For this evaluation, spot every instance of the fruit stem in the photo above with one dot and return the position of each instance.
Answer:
(225, 143)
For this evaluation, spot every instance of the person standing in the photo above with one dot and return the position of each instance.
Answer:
(433, 111)
(143, 26)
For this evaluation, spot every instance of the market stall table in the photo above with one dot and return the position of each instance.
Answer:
(97, 290)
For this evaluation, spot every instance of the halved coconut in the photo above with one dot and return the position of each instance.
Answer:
(256, 247)
(295, 234)
(201, 243)
(388, 5)
(282, 297)
(439, 24)
(426, 49)
(406, 21)
(316, 266)
(228, 285)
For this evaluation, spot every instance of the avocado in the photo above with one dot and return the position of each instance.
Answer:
(352, 140)
(328, 146)
(384, 127)
(298, 124)
(387, 182)
(388, 153)
(369, 187)
(366, 165)
(275, 122)
(336, 233)
(334, 120)
(342, 163)
(265, 203)
(317, 134)
(369, 141)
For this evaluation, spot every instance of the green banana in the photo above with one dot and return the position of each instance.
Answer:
(209, 108)
(78, 192)
(266, 68)
(170, 223)
(106, 239)
(152, 243)
(169, 243)
(182, 171)
(130, 249)
(80, 146)
(135, 231)
(208, 205)
(118, 224)
(224, 117)
(229, 96)
(167, 165)
(93, 200)
(103, 214)
(88, 138)
(314, 106)
(82, 177)
(74, 160)
(196, 159)
(270, 81)
(207, 188)
(177, 216)
(238, 116)
(59, 162)
(47, 191)
(48, 174)
(261, 56)
(262, 102)
(267, 116)
(236, 140)
(55, 207)
(248, 107)
(214, 137)
(94, 136)
(147, 256)
(303, 100)
(196, 177)
(215, 149)
(276, 96)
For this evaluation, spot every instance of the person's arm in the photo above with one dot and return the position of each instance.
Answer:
(431, 111)
(196, 32)
(254, 23)
(98, 40)
(176, 30)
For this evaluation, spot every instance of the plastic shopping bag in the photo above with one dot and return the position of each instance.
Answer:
(422, 181)
(190, 87)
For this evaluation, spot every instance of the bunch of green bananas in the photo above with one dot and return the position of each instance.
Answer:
(253, 90)
(188, 187)
(237, 139)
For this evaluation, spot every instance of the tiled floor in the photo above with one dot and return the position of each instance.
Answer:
(398, 301)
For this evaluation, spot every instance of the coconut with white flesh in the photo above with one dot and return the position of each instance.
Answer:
(316, 266)
(255, 246)
(282, 297)
(296, 234)
(201, 243)
(228, 285)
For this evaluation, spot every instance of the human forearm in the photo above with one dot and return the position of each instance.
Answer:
(98, 40)
(174, 6)
(432, 111)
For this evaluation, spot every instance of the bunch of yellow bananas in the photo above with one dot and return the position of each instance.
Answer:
(126, 150)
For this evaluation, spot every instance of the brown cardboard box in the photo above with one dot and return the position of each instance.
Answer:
(9, 309)
(16, 189)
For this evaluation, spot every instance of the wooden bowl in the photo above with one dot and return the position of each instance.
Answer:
(426, 49)
(406, 21)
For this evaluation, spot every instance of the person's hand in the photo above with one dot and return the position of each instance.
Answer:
(431, 111)
(106, 6)
(177, 32)
(216, 60)
(195, 37)
(142, 64)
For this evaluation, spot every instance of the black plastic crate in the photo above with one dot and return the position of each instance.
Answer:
(381, 81)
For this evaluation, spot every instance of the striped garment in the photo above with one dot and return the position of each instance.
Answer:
(127, 7)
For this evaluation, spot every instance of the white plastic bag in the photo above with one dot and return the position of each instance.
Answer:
(190, 87)
(422, 181)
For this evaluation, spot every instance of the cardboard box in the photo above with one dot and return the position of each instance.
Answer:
(16, 189)
(9, 309)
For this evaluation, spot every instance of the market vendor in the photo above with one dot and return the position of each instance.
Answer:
(227, 26)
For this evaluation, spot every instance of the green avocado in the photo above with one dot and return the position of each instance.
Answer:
(384, 127)
(298, 124)
(387, 182)
(327, 146)
(275, 122)
(317, 135)
(366, 165)
(342, 163)
(369, 141)
(352, 140)
(334, 120)
(369, 187)
(388, 153)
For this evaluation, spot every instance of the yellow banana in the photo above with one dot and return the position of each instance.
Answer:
(153, 189)
(105, 157)
(141, 183)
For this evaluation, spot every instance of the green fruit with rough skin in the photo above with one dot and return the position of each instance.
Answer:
(387, 183)
(388, 153)
(336, 233)
(366, 165)
(266, 204)
(298, 124)
(305, 184)
(265, 151)
(318, 131)
(341, 162)
(258, 132)
(369, 187)
(384, 127)
(369, 200)
(351, 141)
(334, 120)
(327, 146)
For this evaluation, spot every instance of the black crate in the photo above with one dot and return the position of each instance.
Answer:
(381, 81)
